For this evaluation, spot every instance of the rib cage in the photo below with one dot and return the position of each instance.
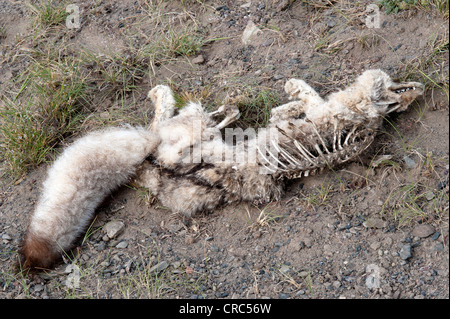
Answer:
(296, 160)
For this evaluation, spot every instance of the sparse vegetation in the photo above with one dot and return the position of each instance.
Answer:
(415, 203)
(269, 215)
(2, 31)
(255, 106)
(319, 196)
(48, 13)
(182, 97)
(62, 83)
(394, 6)
(431, 68)
(48, 108)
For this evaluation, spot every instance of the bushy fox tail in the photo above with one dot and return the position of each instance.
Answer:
(77, 182)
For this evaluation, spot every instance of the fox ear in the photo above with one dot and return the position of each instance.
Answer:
(377, 89)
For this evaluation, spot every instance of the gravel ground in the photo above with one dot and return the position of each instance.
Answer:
(336, 235)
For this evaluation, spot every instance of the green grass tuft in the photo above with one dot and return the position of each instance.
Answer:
(255, 106)
(55, 95)
(49, 13)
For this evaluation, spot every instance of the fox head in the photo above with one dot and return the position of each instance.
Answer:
(386, 95)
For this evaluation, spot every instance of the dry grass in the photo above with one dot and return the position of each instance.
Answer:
(430, 68)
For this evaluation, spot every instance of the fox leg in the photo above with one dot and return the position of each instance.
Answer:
(300, 90)
(231, 113)
(179, 193)
(162, 98)
(288, 111)
(305, 97)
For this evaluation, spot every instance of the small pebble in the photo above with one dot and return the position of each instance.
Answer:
(331, 23)
(283, 295)
(442, 185)
(284, 269)
(409, 162)
(159, 267)
(398, 46)
(436, 235)
(114, 228)
(429, 195)
(303, 274)
(405, 252)
(439, 247)
(277, 77)
(122, 244)
(198, 60)
(38, 288)
(423, 230)
(101, 246)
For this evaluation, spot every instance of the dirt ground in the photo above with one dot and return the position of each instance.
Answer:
(369, 229)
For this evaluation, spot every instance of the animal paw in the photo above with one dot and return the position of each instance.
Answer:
(295, 87)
